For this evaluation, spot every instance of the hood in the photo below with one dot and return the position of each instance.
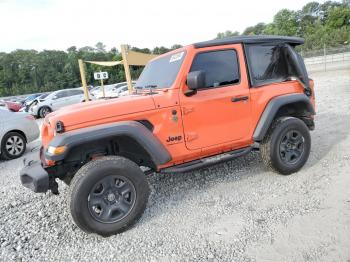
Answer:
(100, 111)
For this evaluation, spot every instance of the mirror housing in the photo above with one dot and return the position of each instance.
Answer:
(196, 80)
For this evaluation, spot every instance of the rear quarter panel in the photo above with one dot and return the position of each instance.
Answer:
(17, 121)
(261, 96)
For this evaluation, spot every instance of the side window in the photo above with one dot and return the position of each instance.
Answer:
(75, 92)
(61, 94)
(221, 67)
(267, 64)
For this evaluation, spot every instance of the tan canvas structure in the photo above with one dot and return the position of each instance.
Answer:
(138, 59)
(105, 63)
(129, 58)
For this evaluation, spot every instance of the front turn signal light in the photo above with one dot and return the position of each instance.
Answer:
(50, 162)
(56, 150)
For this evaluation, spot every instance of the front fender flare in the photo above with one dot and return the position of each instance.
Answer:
(135, 130)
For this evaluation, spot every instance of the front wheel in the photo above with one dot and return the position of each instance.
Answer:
(108, 195)
(286, 147)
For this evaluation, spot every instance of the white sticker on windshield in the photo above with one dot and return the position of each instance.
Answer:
(176, 57)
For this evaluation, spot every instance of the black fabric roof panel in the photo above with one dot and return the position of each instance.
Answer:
(251, 40)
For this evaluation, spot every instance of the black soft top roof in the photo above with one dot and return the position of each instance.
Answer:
(251, 40)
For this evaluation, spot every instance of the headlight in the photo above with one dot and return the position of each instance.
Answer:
(56, 150)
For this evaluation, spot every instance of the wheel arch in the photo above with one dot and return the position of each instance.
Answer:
(296, 105)
(17, 131)
(129, 139)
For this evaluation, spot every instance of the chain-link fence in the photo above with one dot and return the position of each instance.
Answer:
(327, 58)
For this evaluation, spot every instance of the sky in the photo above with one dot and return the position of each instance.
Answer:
(59, 24)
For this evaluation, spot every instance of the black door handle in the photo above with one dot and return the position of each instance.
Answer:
(240, 98)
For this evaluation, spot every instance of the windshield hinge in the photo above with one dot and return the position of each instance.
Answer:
(187, 110)
(191, 136)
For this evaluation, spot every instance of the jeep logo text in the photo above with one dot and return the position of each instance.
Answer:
(173, 138)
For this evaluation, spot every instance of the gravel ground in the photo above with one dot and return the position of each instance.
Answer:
(237, 211)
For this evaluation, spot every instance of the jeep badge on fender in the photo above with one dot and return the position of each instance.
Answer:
(173, 138)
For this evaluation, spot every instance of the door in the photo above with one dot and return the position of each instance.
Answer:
(220, 111)
(61, 99)
(76, 96)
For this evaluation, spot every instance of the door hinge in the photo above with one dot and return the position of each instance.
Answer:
(191, 136)
(187, 110)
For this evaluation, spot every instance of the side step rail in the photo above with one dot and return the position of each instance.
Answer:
(208, 161)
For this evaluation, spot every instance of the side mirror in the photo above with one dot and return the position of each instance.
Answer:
(195, 80)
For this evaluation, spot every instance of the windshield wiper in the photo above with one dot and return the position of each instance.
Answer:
(146, 86)
(151, 86)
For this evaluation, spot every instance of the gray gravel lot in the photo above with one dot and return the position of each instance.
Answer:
(237, 211)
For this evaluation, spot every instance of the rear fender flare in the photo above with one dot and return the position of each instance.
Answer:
(272, 108)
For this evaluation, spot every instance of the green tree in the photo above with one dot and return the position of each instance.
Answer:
(227, 33)
(160, 50)
(100, 47)
(284, 23)
(176, 46)
(257, 29)
(338, 17)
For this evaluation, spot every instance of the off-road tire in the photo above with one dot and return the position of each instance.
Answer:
(270, 146)
(5, 154)
(85, 180)
(43, 111)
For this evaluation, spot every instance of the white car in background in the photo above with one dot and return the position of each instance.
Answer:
(16, 130)
(123, 91)
(111, 90)
(57, 100)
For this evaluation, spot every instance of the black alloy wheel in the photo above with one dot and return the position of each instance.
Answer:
(292, 147)
(111, 199)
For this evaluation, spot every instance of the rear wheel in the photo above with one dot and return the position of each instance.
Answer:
(13, 145)
(286, 147)
(108, 195)
(45, 110)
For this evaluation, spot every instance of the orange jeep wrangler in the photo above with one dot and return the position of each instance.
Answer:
(193, 107)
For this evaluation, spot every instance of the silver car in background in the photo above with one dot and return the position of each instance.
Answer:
(16, 130)
(56, 100)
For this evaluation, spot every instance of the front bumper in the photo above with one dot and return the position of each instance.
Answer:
(34, 176)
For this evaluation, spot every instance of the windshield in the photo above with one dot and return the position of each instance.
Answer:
(31, 97)
(43, 96)
(161, 73)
